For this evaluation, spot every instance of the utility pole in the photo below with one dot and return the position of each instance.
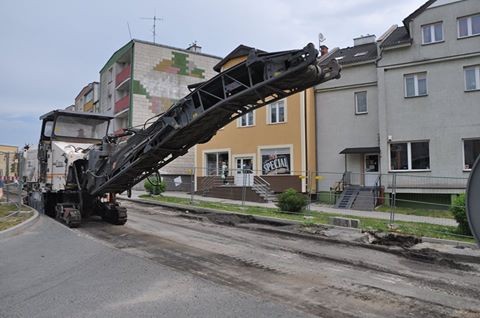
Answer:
(154, 29)
(7, 164)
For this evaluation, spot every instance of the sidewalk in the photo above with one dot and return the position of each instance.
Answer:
(317, 208)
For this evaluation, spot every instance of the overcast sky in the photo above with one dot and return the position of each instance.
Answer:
(51, 49)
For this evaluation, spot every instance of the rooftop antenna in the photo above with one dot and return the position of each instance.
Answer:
(321, 39)
(129, 32)
(155, 19)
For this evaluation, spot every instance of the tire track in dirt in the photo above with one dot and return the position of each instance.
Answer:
(286, 274)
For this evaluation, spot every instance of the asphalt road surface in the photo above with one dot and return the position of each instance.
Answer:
(187, 265)
(52, 271)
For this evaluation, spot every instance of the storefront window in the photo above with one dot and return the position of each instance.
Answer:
(214, 162)
(276, 161)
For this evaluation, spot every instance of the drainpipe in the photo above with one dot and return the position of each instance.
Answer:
(307, 180)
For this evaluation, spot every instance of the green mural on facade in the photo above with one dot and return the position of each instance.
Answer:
(137, 88)
(180, 64)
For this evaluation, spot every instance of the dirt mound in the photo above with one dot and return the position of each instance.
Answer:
(229, 219)
(428, 255)
(392, 239)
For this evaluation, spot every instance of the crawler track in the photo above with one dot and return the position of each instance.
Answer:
(328, 279)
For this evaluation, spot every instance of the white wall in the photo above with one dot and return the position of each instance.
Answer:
(338, 127)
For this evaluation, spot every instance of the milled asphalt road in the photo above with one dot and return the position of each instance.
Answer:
(51, 271)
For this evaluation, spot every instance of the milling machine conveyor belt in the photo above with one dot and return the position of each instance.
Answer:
(262, 79)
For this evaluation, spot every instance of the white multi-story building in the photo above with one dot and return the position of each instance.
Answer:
(143, 79)
(410, 109)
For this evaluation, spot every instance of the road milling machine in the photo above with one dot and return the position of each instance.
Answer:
(81, 169)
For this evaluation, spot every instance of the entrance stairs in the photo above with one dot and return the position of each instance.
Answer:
(259, 191)
(264, 191)
(357, 197)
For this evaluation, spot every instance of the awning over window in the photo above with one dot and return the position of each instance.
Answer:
(360, 150)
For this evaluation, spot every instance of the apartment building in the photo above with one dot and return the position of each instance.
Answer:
(88, 98)
(272, 146)
(347, 117)
(8, 162)
(411, 109)
(143, 79)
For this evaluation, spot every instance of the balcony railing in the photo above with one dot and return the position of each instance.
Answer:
(123, 75)
(88, 107)
(122, 104)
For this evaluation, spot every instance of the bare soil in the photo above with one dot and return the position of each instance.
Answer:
(308, 269)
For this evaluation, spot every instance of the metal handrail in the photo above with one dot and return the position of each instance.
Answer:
(341, 184)
(264, 184)
(376, 189)
(263, 181)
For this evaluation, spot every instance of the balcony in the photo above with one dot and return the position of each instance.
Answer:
(123, 76)
(88, 107)
(122, 104)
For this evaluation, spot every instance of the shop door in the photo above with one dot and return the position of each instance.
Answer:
(243, 171)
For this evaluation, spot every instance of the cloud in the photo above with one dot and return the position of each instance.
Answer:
(46, 62)
(19, 130)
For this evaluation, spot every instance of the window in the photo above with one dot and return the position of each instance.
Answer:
(276, 112)
(47, 130)
(361, 103)
(432, 33)
(80, 127)
(409, 156)
(472, 77)
(415, 84)
(89, 96)
(215, 161)
(110, 75)
(468, 26)
(246, 120)
(471, 150)
(275, 161)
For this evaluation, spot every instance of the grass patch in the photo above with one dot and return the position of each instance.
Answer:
(9, 221)
(410, 228)
(446, 214)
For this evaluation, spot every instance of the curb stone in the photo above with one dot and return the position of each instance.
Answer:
(22, 226)
(200, 210)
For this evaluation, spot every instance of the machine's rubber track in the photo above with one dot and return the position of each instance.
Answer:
(116, 216)
(68, 215)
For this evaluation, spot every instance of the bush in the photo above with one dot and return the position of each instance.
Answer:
(460, 214)
(154, 185)
(291, 201)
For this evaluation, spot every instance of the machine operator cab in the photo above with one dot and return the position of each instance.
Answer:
(65, 137)
(71, 126)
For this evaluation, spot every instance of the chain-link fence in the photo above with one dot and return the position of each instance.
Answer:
(396, 198)
(10, 187)
(392, 198)
(245, 185)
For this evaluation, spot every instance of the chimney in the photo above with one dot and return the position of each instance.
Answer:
(194, 47)
(369, 38)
